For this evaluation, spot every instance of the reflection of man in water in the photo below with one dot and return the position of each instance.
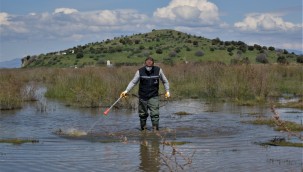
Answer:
(150, 154)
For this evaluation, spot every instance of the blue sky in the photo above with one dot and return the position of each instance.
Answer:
(31, 27)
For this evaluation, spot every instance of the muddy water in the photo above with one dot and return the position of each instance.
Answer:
(213, 136)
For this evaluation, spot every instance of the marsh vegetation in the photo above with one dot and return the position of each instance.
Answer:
(97, 86)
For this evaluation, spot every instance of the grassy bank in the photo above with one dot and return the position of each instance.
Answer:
(292, 126)
(94, 86)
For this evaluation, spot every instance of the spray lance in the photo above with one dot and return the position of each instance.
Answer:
(108, 109)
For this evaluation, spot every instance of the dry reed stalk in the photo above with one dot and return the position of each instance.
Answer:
(281, 123)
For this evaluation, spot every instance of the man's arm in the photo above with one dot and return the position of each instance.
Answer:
(133, 82)
(164, 80)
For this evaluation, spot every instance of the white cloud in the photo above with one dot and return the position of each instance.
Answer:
(187, 11)
(293, 46)
(7, 23)
(4, 19)
(265, 22)
(112, 18)
(65, 10)
(66, 23)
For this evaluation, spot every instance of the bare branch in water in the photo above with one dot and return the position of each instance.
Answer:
(282, 124)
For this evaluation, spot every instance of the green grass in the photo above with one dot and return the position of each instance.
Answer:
(292, 126)
(282, 143)
(182, 113)
(18, 141)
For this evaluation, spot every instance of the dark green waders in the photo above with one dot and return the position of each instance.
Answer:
(151, 106)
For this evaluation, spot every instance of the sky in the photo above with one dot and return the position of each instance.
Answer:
(33, 27)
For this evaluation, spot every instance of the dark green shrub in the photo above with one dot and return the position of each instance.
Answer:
(251, 48)
(230, 49)
(227, 43)
(137, 41)
(271, 48)
(257, 47)
(172, 54)
(159, 51)
(79, 55)
(261, 58)
(215, 41)
(177, 50)
(199, 53)
(300, 59)
(243, 48)
(282, 60)
(195, 43)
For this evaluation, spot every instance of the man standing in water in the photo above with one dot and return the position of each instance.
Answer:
(149, 77)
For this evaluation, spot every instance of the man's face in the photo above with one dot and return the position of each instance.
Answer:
(149, 63)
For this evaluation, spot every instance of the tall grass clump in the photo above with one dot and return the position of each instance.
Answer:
(254, 82)
(288, 79)
(88, 87)
(246, 82)
(10, 86)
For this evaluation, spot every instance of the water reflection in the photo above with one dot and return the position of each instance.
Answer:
(214, 131)
(149, 153)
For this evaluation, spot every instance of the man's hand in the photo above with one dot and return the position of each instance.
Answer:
(167, 95)
(123, 94)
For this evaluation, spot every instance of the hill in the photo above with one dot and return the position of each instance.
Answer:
(15, 63)
(166, 46)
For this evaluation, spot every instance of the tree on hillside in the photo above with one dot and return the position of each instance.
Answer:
(300, 59)
(261, 58)
(199, 53)
(251, 48)
(215, 41)
(79, 55)
(92, 50)
(271, 48)
(230, 49)
(159, 51)
(257, 47)
(137, 41)
(239, 60)
(177, 50)
(282, 60)
(243, 48)
(172, 54)
(285, 51)
(195, 43)
(227, 43)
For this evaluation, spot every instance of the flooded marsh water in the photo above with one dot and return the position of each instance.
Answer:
(213, 135)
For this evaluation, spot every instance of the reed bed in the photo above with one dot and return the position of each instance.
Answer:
(10, 86)
(100, 86)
